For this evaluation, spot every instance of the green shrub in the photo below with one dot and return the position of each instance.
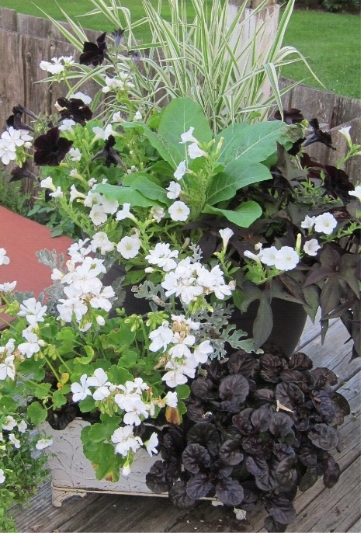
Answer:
(341, 6)
(12, 197)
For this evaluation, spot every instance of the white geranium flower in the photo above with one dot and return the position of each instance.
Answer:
(32, 345)
(195, 152)
(43, 443)
(187, 137)
(9, 347)
(325, 223)
(32, 310)
(7, 368)
(14, 440)
(174, 190)
(161, 337)
(311, 247)
(179, 211)
(151, 444)
(68, 307)
(157, 213)
(286, 259)
(128, 247)
(80, 390)
(171, 399)
(202, 351)
(180, 170)
(4, 259)
(9, 423)
(7, 287)
(2, 476)
(125, 440)
(178, 374)
(100, 381)
(308, 222)
(356, 193)
(7, 152)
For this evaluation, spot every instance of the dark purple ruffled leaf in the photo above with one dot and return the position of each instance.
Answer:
(199, 486)
(261, 419)
(308, 456)
(286, 474)
(324, 437)
(195, 458)
(332, 472)
(256, 466)
(241, 363)
(264, 395)
(342, 408)
(308, 479)
(271, 367)
(203, 388)
(293, 375)
(281, 510)
(242, 421)
(283, 450)
(322, 377)
(254, 445)
(229, 491)
(234, 388)
(195, 411)
(229, 452)
(179, 497)
(289, 395)
(324, 405)
(300, 362)
(273, 526)
(157, 479)
(281, 424)
(207, 435)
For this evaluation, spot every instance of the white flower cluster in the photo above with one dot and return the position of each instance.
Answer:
(14, 430)
(57, 64)
(120, 82)
(284, 259)
(181, 349)
(9, 141)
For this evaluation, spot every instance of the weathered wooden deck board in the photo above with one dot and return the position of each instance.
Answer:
(319, 509)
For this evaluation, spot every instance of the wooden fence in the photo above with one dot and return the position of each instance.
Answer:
(27, 40)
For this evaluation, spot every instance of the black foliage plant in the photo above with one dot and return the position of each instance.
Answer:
(257, 429)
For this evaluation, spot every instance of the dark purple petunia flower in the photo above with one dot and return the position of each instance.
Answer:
(318, 136)
(74, 109)
(290, 116)
(50, 148)
(18, 173)
(94, 54)
(15, 120)
(110, 154)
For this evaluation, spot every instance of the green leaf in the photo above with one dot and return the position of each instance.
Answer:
(119, 375)
(119, 339)
(141, 182)
(37, 413)
(262, 326)
(243, 216)
(183, 391)
(42, 390)
(67, 336)
(84, 360)
(256, 142)
(128, 359)
(236, 175)
(33, 367)
(124, 195)
(87, 405)
(59, 399)
(133, 277)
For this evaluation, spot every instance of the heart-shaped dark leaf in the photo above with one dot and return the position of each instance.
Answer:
(195, 410)
(234, 388)
(289, 395)
(264, 395)
(286, 474)
(203, 388)
(273, 526)
(229, 491)
(257, 446)
(205, 434)
(324, 436)
(342, 408)
(256, 466)
(283, 450)
(261, 419)
(281, 510)
(157, 478)
(241, 362)
(293, 375)
(179, 497)
(322, 377)
(332, 472)
(271, 367)
(308, 456)
(229, 452)
(300, 361)
(199, 486)
(324, 405)
(281, 424)
(195, 458)
(309, 479)
(242, 421)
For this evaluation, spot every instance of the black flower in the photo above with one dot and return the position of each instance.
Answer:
(15, 120)
(94, 54)
(18, 173)
(74, 109)
(110, 154)
(50, 148)
(318, 136)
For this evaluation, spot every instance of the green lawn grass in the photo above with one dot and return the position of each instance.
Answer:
(330, 42)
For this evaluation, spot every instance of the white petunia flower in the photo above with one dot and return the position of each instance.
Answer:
(311, 247)
(187, 137)
(67, 125)
(157, 213)
(345, 131)
(79, 95)
(7, 152)
(128, 247)
(325, 223)
(195, 152)
(4, 259)
(151, 444)
(2, 476)
(102, 242)
(103, 133)
(74, 194)
(286, 259)
(7, 287)
(138, 116)
(43, 443)
(308, 222)
(124, 213)
(58, 193)
(174, 190)
(9, 423)
(226, 234)
(179, 211)
(98, 215)
(268, 256)
(74, 154)
(80, 390)
(180, 170)
(47, 183)
(356, 193)
(16, 137)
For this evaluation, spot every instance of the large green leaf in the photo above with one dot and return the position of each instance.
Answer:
(125, 195)
(255, 142)
(237, 174)
(243, 216)
(166, 150)
(149, 189)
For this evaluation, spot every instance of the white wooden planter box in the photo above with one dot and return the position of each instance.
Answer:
(73, 474)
